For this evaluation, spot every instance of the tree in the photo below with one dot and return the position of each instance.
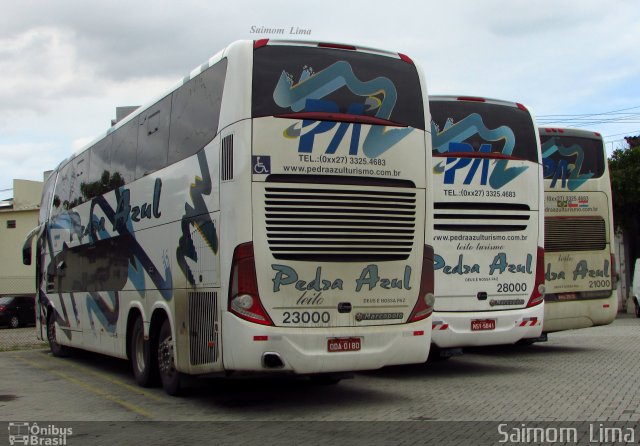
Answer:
(624, 166)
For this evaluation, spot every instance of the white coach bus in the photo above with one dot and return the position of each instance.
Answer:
(488, 230)
(266, 215)
(580, 271)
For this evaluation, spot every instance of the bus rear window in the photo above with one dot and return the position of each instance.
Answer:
(291, 79)
(586, 154)
(481, 127)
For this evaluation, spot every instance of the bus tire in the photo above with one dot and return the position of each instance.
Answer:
(169, 376)
(140, 350)
(57, 350)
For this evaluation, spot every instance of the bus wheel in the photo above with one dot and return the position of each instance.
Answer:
(169, 376)
(140, 355)
(57, 350)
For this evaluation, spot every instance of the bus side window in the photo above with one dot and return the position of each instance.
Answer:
(123, 154)
(61, 193)
(195, 112)
(153, 138)
(46, 197)
(78, 177)
(101, 179)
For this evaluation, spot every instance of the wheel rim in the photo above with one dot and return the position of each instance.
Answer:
(165, 358)
(51, 331)
(14, 322)
(138, 345)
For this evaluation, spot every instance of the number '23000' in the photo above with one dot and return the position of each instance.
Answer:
(306, 317)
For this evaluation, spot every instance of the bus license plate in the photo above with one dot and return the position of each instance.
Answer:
(343, 345)
(483, 324)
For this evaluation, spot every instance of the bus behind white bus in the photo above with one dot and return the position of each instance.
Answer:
(580, 271)
(265, 215)
(488, 230)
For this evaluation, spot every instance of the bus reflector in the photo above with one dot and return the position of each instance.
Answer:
(244, 300)
(418, 333)
(405, 58)
(261, 338)
(471, 98)
(606, 306)
(260, 43)
(537, 295)
(337, 46)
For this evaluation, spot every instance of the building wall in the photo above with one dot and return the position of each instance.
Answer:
(16, 278)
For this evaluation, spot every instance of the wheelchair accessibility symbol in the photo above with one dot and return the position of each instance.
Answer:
(261, 165)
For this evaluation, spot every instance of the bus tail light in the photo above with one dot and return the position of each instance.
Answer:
(424, 306)
(244, 300)
(537, 296)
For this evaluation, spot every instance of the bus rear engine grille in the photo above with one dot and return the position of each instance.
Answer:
(481, 217)
(574, 234)
(203, 328)
(321, 224)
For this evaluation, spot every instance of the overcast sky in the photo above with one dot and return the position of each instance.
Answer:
(66, 65)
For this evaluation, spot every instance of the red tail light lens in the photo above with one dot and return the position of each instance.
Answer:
(424, 306)
(244, 300)
(2, 308)
(537, 295)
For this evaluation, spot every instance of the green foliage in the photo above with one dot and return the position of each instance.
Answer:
(624, 166)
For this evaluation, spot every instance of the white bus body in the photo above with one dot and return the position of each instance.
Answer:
(266, 215)
(580, 273)
(488, 228)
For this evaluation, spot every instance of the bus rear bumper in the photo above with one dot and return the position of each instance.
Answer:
(252, 347)
(572, 315)
(454, 329)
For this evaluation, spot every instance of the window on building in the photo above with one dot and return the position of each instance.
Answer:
(11, 224)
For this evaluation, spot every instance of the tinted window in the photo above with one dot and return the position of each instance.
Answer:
(6, 300)
(153, 138)
(290, 79)
(195, 112)
(459, 126)
(47, 193)
(100, 166)
(123, 154)
(101, 266)
(571, 152)
(78, 177)
(62, 190)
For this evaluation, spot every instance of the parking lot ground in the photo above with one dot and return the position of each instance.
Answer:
(588, 375)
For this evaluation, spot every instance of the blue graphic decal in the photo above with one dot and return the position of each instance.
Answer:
(197, 215)
(568, 173)
(451, 140)
(106, 311)
(305, 96)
